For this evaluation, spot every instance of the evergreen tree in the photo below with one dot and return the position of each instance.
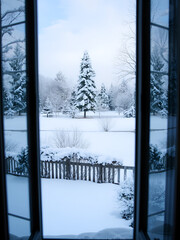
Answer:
(70, 107)
(7, 103)
(18, 81)
(158, 103)
(103, 99)
(86, 89)
(48, 107)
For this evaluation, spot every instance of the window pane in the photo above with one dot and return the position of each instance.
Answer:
(163, 100)
(160, 12)
(15, 118)
(159, 49)
(12, 12)
(18, 227)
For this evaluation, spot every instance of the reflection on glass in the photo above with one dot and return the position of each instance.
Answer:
(12, 12)
(160, 12)
(159, 49)
(19, 227)
(15, 126)
(158, 142)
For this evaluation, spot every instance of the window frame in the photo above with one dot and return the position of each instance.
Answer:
(32, 129)
(143, 116)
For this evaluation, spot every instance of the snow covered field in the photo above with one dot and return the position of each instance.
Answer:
(79, 208)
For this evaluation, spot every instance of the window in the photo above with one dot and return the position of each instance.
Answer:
(151, 221)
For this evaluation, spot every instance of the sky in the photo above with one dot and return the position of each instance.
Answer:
(69, 27)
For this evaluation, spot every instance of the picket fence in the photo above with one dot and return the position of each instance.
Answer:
(66, 169)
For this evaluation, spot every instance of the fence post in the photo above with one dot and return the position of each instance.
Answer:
(118, 175)
(52, 164)
(125, 173)
(74, 175)
(85, 173)
(56, 167)
(68, 169)
(89, 172)
(113, 175)
(99, 169)
(77, 171)
(64, 169)
(93, 173)
(60, 176)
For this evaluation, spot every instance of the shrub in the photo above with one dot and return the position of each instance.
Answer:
(106, 124)
(126, 195)
(64, 139)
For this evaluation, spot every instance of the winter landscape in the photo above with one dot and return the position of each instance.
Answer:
(87, 120)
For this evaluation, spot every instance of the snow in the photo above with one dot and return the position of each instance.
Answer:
(118, 142)
(76, 207)
(69, 208)
(79, 209)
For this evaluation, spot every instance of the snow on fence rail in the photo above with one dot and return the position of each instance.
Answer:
(66, 169)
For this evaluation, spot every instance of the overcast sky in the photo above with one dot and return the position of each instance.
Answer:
(69, 27)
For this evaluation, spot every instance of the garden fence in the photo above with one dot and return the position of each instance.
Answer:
(66, 169)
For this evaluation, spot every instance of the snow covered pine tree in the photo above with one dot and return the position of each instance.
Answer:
(158, 104)
(18, 81)
(86, 89)
(103, 99)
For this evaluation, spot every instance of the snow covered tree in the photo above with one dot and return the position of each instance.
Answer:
(124, 97)
(158, 103)
(18, 81)
(70, 107)
(47, 107)
(86, 89)
(103, 99)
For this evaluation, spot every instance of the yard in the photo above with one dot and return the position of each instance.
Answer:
(79, 208)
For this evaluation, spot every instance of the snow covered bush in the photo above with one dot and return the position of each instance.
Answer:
(106, 124)
(131, 112)
(126, 196)
(64, 139)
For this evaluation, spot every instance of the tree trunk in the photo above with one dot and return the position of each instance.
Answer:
(84, 114)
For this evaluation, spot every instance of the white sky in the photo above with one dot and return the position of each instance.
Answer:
(68, 27)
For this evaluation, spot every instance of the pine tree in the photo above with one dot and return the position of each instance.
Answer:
(103, 99)
(7, 102)
(18, 82)
(158, 103)
(86, 89)
(48, 107)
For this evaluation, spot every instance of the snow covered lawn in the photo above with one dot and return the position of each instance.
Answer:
(76, 207)
(70, 208)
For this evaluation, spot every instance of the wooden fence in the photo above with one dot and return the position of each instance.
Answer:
(66, 169)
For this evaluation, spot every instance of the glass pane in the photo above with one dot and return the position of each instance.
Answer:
(159, 49)
(12, 12)
(18, 227)
(163, 100)
(15, 118)
(160, 12)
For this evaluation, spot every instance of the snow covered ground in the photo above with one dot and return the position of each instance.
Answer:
(77, 208)
(118, 142)
(69, 208)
